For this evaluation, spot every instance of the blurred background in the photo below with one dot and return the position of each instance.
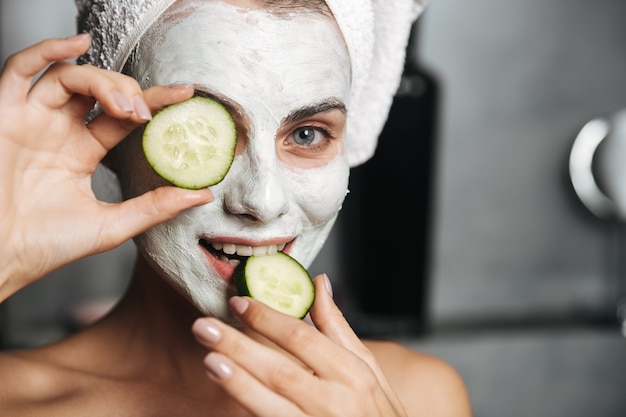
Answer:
(465, 236)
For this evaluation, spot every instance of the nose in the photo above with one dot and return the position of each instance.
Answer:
(258, 193)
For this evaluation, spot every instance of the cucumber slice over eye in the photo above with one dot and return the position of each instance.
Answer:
(192, 143)
(277, 280)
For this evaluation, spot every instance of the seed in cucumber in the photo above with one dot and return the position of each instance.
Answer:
(192, 143)
(277, 280)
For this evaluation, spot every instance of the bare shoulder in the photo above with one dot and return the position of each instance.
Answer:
(426, 384)
(28, 380)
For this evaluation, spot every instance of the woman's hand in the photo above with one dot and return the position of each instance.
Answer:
(48, 155)
(322, 371)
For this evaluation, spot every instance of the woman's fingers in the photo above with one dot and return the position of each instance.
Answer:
(132, 217)
(302, 365)
(328, 319)
(247, 390)
(21, 67)
(109, 131)
(279, 372)
(299, 339)
(116, 93)
(322, 374)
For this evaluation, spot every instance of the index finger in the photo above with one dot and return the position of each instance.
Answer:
(298, 338)
(109, 130)
(21, 68)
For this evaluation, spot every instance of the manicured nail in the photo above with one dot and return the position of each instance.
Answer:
(308, 320)
(207, 331)
(183, 86)
(206, 193)
(122, 102)
(329, 287)
(142, 110)
(218, 366)
(238, 305)
(78, 36)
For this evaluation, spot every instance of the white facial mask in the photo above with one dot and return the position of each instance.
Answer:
(268, 66)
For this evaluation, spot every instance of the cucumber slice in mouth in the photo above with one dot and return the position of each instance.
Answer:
(277, 280)
(191, 144)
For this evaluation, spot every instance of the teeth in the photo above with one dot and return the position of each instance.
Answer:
(260, 250)
(229, 248)
(233, 262)
(244, 250)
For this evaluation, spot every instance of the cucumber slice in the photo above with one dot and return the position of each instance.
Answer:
(277, 280)
(192, 143)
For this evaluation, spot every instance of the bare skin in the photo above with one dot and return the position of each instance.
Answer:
(165, 377)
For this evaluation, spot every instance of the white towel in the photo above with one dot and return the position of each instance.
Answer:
(376, 33)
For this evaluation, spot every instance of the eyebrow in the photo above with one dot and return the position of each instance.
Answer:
(302, 113)
(315, 108)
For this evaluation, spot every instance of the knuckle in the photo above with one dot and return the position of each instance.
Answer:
(125, 80)
(158, 202)
(301, 335)
(364, 379)
(284, 376)
(255, 314)
(233, 343)
(365, 354)
(13, 61)
(56, 67)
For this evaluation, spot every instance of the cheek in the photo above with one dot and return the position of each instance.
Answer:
(320, 191)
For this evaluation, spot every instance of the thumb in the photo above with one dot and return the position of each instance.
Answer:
(136, 215)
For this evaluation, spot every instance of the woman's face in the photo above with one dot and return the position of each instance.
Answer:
(286, 80)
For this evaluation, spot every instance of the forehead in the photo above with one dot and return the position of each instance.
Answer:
(243, 53)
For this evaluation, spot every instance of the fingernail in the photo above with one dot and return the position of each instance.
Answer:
(78, 36)
(329, 287)
(122, 102)
(142, 110)
(218, 366)
(207, 331)
(209, 197)
(308, 320)
(238, 305)
(183, 86)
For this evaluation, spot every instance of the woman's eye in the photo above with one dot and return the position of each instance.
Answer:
(308, 136)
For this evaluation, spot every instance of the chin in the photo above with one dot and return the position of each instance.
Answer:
(183, 269)
(209, 296)
(207, 300)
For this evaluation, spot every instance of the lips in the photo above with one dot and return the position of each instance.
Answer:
(226, 256)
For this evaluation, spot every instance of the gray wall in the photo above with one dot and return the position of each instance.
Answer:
(519, 80)
(526, 282)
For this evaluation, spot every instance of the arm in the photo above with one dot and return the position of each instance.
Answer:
(48, 155)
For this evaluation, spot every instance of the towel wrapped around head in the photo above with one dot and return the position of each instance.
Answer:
(376, 34)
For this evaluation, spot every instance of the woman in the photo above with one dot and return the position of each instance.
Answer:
(297, 78)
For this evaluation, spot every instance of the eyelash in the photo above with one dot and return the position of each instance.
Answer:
(328, 138)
